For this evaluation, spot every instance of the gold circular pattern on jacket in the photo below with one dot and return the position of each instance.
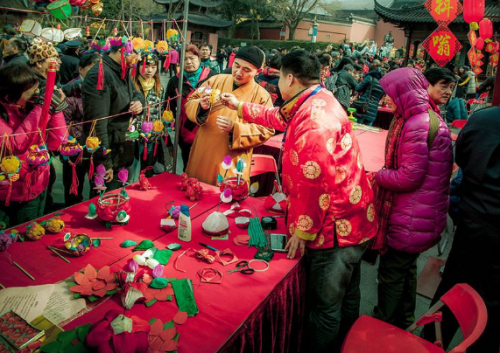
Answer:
(355, 195)
(370, 212)
(318, 103)
(343, 227)
(324, 202)
(294, 158)
(330, 147)
(311, 170)
(304, 223)
(321, 240)
(346, 142)
(340, 174)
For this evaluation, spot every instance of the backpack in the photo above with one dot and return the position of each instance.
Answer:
(433, 130)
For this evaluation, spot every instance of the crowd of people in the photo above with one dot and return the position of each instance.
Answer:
(335, 209)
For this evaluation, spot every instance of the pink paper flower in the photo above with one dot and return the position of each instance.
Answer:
(91, 282)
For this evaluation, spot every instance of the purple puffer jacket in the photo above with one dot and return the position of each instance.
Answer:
(421, 183)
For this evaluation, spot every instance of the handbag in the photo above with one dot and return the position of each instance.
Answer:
(362, 106)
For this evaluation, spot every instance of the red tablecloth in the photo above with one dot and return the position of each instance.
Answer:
(246, 313)
(372, 146)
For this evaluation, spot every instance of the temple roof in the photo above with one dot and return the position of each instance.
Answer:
(201, 19)
(406, 14)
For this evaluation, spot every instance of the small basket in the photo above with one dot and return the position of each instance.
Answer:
(239, 191)
(109, 205)
(60, 9)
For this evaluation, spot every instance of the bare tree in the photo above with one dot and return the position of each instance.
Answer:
(292, 12)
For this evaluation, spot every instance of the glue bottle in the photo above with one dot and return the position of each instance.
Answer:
(184, 224)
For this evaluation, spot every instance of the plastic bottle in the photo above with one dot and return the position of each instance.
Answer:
(184, 224)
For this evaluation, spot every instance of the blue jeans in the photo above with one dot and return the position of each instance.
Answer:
(333, 295)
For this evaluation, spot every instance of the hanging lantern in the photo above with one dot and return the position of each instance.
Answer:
(480, 44)
(473, 12)
(87, 31)
(97, 9)
(486, 28)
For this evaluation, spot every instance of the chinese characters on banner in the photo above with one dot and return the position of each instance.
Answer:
(444, 11)
(442, 45)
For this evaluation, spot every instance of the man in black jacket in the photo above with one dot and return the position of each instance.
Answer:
(118, 96)
(474, 257)
(14, 51)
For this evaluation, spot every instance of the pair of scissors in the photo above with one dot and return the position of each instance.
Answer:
(243, 267)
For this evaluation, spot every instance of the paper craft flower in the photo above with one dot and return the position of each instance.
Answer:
(92, 143)
(161, 340)
(227, 162)
(161, 46)
(93, 282)
(174, 211)
(35, 231)
(55, 225)
(168, 116)
(7, 239)
(226, 196)
(151, 293)
(123, 175)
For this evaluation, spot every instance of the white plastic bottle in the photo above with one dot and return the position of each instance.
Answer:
(184, 224)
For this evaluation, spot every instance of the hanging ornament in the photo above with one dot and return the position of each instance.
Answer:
(38, 156)
(442, 45)
(472, 37)
(97, 9)
(471, 54)
(486, 28)
(444, 12)
(473, 12)
(161, 46)
(9, 173)
(480, 44)
(491, 47)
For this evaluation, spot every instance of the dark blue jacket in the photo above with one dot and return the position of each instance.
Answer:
(371, 80)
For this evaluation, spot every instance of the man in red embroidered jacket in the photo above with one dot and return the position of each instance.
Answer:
(330, 201)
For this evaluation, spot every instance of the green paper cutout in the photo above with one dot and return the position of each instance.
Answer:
(162, 256)
(174, 246)
(151, 302)
(78, 348)
(52, 347)
(184, 296)
(159, 283)
(169, 324)
(128, 243)
(176, 337)
(96, 243)
(144, 245)
(171, 279)
(152, 321)
(169, 298)
(66, 337)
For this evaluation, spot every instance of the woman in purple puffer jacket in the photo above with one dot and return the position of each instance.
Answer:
(412, 188)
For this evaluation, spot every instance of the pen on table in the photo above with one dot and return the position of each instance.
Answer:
(209, 247)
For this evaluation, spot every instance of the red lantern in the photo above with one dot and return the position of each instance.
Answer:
(480, 43)
(486, 28)
(473, 10)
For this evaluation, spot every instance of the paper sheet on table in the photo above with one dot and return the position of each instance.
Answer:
(27, 302)
(54, 301)
(62, 305)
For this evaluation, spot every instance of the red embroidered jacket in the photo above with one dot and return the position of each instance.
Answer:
(323, 174)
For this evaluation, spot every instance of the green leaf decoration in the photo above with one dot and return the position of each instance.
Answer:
(128, 243)
(159, 283)
(52, 347)
(152, 321)
(174, 246)
(96, 242)
(162, 256)
(170, 298)
(220, 179)
(144, 245)
(83, 331)
(176, 337)
(66, 337)
(77, 348)
(168, 325)
(239, 166)
(151, 302)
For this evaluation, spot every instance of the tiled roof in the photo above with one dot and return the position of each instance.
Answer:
(198, 19)
(419, 14)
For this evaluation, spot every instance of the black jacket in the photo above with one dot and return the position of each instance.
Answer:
(371, 91)
(69, 68)
(477, 153)
(115, 98)
(18, 58)
(345, 84)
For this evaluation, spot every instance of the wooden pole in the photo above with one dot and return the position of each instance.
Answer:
(408, 46)
(496, 92)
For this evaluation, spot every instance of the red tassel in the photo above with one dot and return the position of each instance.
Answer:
(143, 67)
(123, 63)
(166, 65)
(9, 193)
(100, 77)
(79, 158)
(134, 71)
(154, 152)
(27, 184)
(91, 169)
(166, 138)
(74, 180)
(145, 152)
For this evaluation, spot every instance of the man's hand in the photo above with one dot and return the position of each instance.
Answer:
(135, 107)
(293, 244)
(230, 101)
(205, 101)
(109, 175)
(225, 124)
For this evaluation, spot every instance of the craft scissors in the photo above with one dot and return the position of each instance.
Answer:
(243, 267)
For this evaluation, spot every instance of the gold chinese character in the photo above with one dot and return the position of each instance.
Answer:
(442, 43)
(443, 6)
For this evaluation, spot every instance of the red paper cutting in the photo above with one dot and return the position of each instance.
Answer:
(180, 318)
(477, 70)
(444, 11)
(472, 56)
(490, 47)
(472, 38)
(494, 59)
(442, 45)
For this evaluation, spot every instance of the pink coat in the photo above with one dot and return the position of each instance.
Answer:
(421, 183)
(22, 129)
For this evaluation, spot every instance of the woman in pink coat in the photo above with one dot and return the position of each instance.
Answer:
(412, 189)
(20, 120)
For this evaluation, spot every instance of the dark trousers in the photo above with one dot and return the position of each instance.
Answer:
(185, 151)
(333, 295)
(474, 259)
(172, 69)
(21, 212)
(71, 199)
(49, 202)
(397, 288)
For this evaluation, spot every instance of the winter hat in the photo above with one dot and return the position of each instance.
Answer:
(253, 55)
(40, 51)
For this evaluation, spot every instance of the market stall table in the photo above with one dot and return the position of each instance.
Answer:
(384, 118)
(245, 313)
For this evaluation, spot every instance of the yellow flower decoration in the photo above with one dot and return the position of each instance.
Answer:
(92, 143)
(343, 227)
(346, 142)
(172, 33)
(294, 158)
(149, 46)
(300, 143)
(355, 195)
(330, 146)
(324, 202)
(138, 43)
(55, 225)
(168, 116)
(340, 174)
(311, 170)
(157, 126)
(304, 223)
(320, 241)
(10, 164)
(161, 46)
